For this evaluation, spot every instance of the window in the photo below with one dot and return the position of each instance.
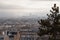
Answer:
(27, 38)
(2, 38)
(11, 38)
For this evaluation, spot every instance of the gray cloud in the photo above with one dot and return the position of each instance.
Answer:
(5, 6)
(9, 10)
(45, 0)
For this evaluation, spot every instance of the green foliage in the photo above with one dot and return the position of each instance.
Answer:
(51, 25)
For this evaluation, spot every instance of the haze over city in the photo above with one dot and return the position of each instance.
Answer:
(19, 8)
(29, 19)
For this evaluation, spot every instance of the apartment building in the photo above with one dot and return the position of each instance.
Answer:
(28, 34)
(18, 33)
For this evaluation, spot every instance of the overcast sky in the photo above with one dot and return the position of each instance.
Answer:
(25, 7)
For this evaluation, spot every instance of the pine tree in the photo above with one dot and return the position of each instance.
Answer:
(51, 25)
